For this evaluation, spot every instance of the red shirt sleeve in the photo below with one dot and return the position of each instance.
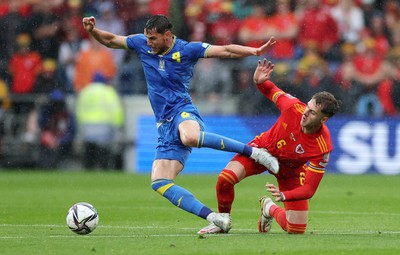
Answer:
(306, 191)
(270, 90)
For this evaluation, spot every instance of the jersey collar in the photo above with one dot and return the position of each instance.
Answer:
(170, 48)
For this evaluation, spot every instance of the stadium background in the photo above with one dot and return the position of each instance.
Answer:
(362, 144)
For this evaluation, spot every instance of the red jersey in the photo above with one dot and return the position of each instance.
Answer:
(318, 26)
(298, 153)
(24, 69)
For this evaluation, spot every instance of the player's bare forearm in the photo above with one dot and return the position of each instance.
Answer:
(238, 51)
(106, 38)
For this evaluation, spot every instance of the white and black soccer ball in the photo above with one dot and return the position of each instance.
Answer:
(82, 218)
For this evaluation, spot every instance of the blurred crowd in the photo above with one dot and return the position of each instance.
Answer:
(348, 47)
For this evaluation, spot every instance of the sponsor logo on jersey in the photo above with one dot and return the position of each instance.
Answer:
(185, 115)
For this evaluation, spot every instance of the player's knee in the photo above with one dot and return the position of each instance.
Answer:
(226, 179)
(189, 139)
(293, 228)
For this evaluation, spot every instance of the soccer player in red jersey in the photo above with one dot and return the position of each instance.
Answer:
(300, 141)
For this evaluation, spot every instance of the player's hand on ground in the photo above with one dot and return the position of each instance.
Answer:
(264, 48)
(275, 192)
(89, 23)
(263, 71)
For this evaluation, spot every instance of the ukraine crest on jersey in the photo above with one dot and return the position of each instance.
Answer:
(168, 75)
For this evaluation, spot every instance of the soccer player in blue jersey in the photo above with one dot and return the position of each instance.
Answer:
(168, 64)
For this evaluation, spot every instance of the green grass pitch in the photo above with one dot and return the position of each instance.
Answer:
(348, 215)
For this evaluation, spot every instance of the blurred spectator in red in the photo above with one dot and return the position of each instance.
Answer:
(252, 33)
(389, 90)
(379, 33)
(109, 21)
(7, 6)
(364, 73)
(318, 26)
(89, 61)
(47, 80)
(73, 16)
(253, 29)
(159, 7)
(45, 27)
(347, 52)
(25, 65)
(350, 20)
(224, 27)
(284, 26)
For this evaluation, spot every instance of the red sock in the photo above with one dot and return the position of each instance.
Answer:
(225, 190)
(280, 216)
(296, 228)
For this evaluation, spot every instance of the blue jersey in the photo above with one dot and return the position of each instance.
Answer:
(168, 75)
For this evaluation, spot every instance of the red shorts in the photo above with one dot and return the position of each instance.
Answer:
(284, 181)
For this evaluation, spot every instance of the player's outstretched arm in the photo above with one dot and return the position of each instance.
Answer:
(263, 71)
(238, 51)
(108, 39)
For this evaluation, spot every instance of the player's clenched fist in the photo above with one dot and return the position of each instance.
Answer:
(89, 23)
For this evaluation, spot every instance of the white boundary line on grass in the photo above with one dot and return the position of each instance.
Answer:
(190, 235)
(240, 232)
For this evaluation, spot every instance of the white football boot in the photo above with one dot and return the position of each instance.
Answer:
(265, 221)
(210, 229)
(263, 157)
(219, 223)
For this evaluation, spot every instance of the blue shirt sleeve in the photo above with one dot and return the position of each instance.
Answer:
(197, 50)
(135, 42)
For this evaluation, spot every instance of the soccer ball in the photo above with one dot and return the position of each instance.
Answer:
(82, 218)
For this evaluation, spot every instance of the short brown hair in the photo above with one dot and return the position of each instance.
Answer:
(330, 105)
(159, 23)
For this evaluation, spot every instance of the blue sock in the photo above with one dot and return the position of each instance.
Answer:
(180, 197)
(219, 142)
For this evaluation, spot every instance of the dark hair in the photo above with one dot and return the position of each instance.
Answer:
(330, 105)
(158, 22)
